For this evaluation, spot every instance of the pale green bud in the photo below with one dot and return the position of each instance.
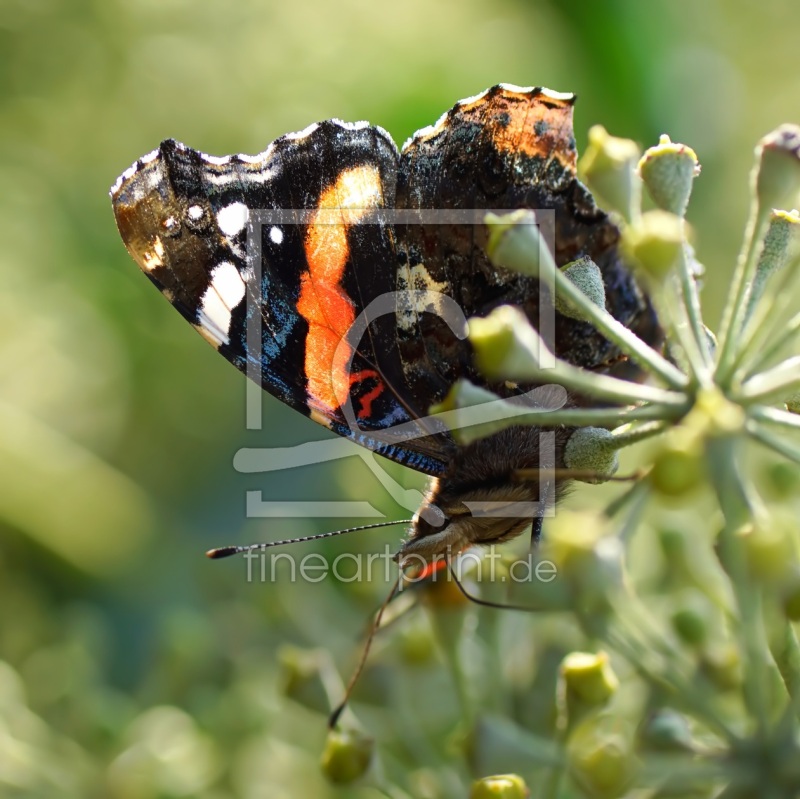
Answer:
(654, 243)
(608, 167)
(586, 275)
(514, 241)
(347, 756)
(793, 403)
(601, 757)
(503, 786)
(679, 466)
(589, 677)
(668, 170)
(592, 449)
(782, 235)
(693, 617)
(770, 552)
(506, 345)
(777, 176)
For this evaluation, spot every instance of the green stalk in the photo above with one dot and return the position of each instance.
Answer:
(694, 314)
(776, 443)
(723, 455)
(762, 331)
(736, 305)
(786, 419)
(772, 385)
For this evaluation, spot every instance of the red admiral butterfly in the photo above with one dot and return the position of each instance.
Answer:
(346, 236)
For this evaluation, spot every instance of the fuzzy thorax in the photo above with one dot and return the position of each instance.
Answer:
(481, 500)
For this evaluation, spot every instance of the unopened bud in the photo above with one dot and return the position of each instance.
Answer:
(668, 170)
(592, 449)
(347, 756)
(793, 403)
(608, 167)
(503, 786)
(777, 178)
(693, 617)
(589, 677)
(506, 345)
(601, 758)
(586, 275)
(769, 549)
(514, 241)
(678, 467)
(654, 243)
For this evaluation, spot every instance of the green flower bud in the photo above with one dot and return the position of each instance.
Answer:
(777, 175)
(779, 242)
(514, 241)
(347, 756)
(723, 666)
(667, 731)
(678, 468)
(692, 617)
(506, 345)
(783, 479)
(668, 171)
(654, 243)
(601, 758)
(769, 551)
(793, 403)
(586, 275)
(608, 167)
(504, 786)
(592, 449)
(589, 677)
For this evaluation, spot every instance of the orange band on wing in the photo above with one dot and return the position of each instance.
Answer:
(323, 302)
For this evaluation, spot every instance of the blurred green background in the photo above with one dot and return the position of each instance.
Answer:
(132, 666)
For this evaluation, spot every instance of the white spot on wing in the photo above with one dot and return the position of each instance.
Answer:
(223, 294)
(275, 235)
(228, 284)
(154, 258)
(195, 212)
(232, 219)
(423, 295)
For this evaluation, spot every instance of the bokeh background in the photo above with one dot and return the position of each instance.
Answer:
(131, 666)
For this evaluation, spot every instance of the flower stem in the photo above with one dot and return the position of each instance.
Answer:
(736, 306)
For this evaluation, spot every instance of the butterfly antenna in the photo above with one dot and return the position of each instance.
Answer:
(333, 719)
(226, 552)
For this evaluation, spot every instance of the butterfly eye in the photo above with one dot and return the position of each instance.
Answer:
(432, 514)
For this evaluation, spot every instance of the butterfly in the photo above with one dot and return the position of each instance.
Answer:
(338, 273)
